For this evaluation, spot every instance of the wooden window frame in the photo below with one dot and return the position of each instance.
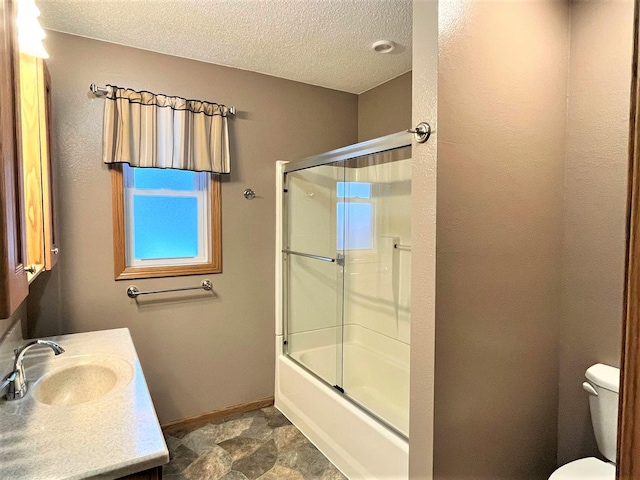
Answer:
(122, 271)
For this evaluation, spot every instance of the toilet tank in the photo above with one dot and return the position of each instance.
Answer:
(603, 401)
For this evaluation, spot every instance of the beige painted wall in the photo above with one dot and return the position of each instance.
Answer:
(385, 109)
(501, 126)
(11, 336)
(6, 324)
(594, 208)
(199, 352)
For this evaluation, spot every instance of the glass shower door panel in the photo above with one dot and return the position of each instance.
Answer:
(314, 276)
(311, 217)
(376, 203)
(314, 330)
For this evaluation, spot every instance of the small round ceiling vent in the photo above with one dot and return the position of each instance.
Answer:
(383, 46)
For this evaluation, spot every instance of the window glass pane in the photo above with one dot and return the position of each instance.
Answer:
(359, 226)
(354, 190)
(165, 227)
(158, 178)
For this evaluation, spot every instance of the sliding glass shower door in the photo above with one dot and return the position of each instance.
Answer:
(377, 284)
(347, 250)
(314, 271)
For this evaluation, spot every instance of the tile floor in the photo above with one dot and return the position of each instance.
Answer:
(261, 444)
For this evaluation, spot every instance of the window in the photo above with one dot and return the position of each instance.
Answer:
(356, 214)
(166, 222)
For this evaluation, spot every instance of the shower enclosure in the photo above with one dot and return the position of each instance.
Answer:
(345, 267)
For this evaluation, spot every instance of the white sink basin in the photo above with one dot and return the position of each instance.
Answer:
(82, 379)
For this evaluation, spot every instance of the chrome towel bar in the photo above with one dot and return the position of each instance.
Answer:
(133, 291)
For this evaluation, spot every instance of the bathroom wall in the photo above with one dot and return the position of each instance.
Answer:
(199, 352)
(595, 191)
(385, 109)
(11, 337)
(502, 86)
(7, 344)
(7, 323)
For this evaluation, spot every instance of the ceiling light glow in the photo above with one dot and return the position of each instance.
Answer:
(30, 32)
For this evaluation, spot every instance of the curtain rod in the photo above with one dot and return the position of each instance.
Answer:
(102, 91)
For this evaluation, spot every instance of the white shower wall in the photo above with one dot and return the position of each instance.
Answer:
(377, 282)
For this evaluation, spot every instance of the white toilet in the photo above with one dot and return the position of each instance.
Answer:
(602, 387)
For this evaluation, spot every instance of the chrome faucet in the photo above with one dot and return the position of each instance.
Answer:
(16, 382)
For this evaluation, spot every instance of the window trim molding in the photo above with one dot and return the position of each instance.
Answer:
(124, 272)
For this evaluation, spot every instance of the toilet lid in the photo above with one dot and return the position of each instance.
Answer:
(587, 469)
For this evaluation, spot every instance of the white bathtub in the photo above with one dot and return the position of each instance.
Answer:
(360, 445)
(376, 369)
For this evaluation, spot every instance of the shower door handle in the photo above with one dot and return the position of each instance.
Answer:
(309, 255)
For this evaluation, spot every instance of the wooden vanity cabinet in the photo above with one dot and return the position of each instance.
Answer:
(13, 279)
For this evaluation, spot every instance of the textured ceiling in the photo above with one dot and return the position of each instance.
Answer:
(321, 42)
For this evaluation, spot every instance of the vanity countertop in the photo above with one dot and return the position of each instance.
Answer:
(109, 437)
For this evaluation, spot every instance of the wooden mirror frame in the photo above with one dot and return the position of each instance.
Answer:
(628, 461)
(13, 279)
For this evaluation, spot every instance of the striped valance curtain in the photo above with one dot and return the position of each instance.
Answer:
(148, 130)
